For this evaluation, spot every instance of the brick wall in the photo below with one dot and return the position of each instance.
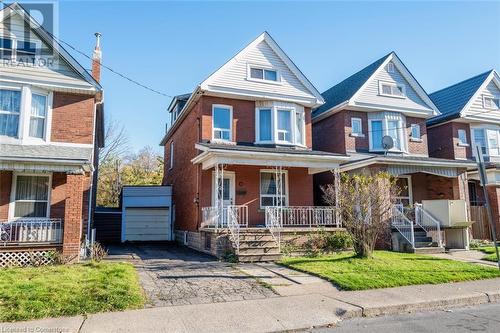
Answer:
(494, 197)
(443, 141)
(329, 134)
(5, 187)
(414, 147)
(72, 118)
(58, 195)
(73, 215)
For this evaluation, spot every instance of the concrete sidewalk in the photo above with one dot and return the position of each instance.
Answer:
(323, 307)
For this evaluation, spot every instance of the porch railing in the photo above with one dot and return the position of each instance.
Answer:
(403, 225)
(304, 216)
(429, 223)
(31, 231)
(273, 223)
(210, 217)
(234, 226)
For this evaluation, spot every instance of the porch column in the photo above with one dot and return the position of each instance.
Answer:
(73, 216)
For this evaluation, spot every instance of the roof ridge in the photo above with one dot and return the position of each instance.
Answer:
(461, 82)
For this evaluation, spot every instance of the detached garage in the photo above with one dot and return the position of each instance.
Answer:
(147, 213)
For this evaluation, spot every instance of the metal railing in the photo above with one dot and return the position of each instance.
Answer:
(31, 231)
(429, 223)
(403, 225)
(210, 217)
(234, 226)
(304, 216)
(274, 223)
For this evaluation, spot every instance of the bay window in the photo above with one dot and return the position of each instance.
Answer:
(222, 117)
(479, 139)
(280, 124)
(377, 132)
(386, 124)
(10, 110)
(488, 138)
(31, 196)
(270, 195)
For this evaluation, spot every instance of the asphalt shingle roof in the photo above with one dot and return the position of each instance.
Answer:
(268, 149)
(46, 152)
(451, 100)
(344, 90)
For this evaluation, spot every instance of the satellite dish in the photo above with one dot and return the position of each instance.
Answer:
(387, 142)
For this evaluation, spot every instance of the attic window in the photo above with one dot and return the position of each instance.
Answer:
(5, 48)
(26, 51)
(392, 89)
(491, 103)
(256, 73)
(390, 67)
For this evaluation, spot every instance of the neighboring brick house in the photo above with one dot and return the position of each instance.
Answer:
(51, 115)
(241, 133)
(470, 116)
(385, 100)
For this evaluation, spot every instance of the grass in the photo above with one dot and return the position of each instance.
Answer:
(388, 269)
(490, 253)
(52, 291)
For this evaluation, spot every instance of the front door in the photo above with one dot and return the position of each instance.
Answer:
(227, 189)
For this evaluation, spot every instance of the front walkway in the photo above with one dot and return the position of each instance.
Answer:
(175, 275)
(471, 256)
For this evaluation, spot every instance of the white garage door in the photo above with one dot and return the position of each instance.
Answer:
(147, 224)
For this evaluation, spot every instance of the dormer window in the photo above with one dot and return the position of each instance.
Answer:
(264, 74)
(491, 103)
(392, 89)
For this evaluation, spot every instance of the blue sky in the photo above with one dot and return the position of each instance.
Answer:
(172, 46)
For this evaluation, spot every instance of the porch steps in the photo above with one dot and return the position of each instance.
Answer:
(257, 246)
(429, 250)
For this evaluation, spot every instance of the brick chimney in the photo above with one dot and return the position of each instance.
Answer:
(97, 58)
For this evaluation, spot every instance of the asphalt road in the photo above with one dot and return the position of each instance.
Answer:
(481, 318)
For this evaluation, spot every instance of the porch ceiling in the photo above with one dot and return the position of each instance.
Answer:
(315, 162)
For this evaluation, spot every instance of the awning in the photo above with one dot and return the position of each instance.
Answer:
(397, 170)
(315, 162)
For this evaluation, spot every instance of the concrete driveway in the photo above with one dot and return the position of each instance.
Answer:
(176, 275)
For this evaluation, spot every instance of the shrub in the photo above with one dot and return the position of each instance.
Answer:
(338, 241)
(326, 242)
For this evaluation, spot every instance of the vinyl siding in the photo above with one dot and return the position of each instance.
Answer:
(491, 90)
(58, 73)
(235, 76)
(370, 94)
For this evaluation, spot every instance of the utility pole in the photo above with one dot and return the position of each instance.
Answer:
(482, 174)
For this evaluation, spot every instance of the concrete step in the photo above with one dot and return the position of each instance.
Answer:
(424, 244)
(260, 238)
(429, 250)
(423, 239)
(259, 250)
(258, 257)
(257, 243)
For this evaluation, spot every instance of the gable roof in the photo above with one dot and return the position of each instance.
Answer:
(452, 100)
(266, 37)
(346, 91)
(49, 39)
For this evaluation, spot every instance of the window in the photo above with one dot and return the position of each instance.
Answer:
(393, 132)
(480, 139)
(31, 196)
(10, 108)
(377, 134)
(26, 51)
(221, 122)
(263, 74)
(285, 125)
(38, 115)
(392, 89)
(265, 123)
(491, 103)
(390, 67)
(299, 127)
(415, 131)
(404, 185)
(171, 155)
(356, 126)
(5, 48)
(493, 148)
(462, 137)
(269, 195)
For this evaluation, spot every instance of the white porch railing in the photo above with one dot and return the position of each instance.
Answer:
(403, 225)
(31, 231)
(210, 217)
(305, 216)
(273, 223)
(234, 226)
(429, 223)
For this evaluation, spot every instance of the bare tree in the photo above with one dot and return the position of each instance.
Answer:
(365, 204)
(116, 141)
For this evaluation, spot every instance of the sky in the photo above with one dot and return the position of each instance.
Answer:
(173, 46)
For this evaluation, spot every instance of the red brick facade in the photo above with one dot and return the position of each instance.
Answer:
(5, 186)
(72, 118)
(443, 141)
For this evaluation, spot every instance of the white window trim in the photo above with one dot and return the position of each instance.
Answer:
(263, 80)
(417, 138)
(274, 126)
(460, 142)
(12, 202)
(385, 131)
(232, 186)
(23, 136)
(391, 68)
(493, 98)
(485, 129)
(410, 192)
(223, 129)
(285, 172)
(291, 111)
(354, 134)
(171, 161)
(392, 84)
(15, 40)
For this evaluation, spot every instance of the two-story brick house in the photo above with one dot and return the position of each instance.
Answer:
(50, 130)
(240, 145)
(385, 100)
(469, 117)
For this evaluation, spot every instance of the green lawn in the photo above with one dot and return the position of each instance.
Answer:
(388, 269)
(52, 291)
(490, 253)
